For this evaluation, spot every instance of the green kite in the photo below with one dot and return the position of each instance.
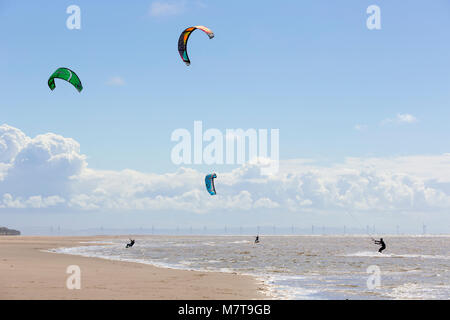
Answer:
(65, 74)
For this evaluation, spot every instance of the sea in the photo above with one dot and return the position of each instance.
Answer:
(301, 267)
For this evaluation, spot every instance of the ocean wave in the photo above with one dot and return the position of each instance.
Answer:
(409, 291)
(393, 255)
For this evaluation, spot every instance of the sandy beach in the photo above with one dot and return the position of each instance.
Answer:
(26, 272)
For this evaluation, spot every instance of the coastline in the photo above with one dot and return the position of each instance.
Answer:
(28, 271)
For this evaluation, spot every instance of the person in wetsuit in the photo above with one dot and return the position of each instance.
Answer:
(257, 239)
(381, 243)
(129, 245)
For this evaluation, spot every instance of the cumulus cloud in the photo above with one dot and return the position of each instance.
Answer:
(31, 202)
(48, 171)
(160, 8)
(40, 166)
(12, 140)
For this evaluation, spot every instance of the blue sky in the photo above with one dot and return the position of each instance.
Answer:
(309, 68)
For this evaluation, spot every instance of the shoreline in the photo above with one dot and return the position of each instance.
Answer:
(29, 271)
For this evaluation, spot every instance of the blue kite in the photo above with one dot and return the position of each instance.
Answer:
(209, 181)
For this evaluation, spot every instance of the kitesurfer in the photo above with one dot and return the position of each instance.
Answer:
(381, 243)
(257, 239)
(129, 245)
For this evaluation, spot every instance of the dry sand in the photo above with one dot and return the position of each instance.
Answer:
(28, 273)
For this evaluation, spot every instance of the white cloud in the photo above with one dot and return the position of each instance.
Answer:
(43, 165)
(361, 127)
(159, 8)
(116, 82)
(49, 171)
(31, 202)
(404, 118)
(11, 141)
(265, 203)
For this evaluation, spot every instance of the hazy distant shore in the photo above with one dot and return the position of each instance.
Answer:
(27, 272)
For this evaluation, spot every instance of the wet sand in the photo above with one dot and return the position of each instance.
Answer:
(26, 272)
